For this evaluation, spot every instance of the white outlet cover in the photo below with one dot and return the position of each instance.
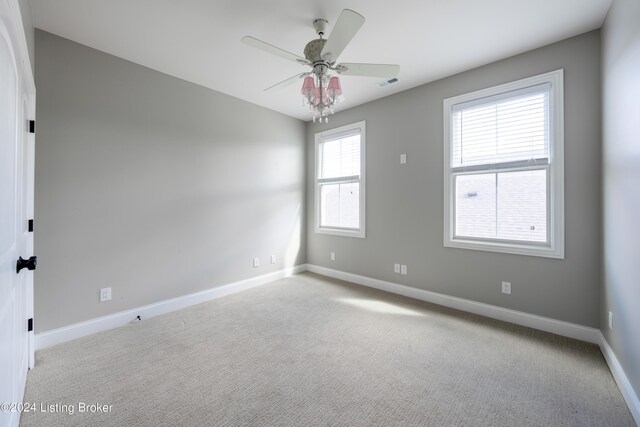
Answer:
(256, 262)
(506, 288)
(333, 256)
(403, 159)
(403, 270)
(105, 294)
(396, 268)
(273, 259)
(611, 320)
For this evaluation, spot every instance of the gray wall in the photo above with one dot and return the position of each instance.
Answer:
(404, 203)
(154, 186)
(621, 179)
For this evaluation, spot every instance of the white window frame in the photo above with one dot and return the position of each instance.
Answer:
(337, 231)
(555, 173)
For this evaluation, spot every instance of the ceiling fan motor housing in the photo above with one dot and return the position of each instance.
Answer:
(313, 50)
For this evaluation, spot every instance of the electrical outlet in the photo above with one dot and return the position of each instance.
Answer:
(611, 320)
(403, 270)
(506, 288)
(333, 256)
(403, 159)
(396, 268)
(256, 262)
(105, 294)
(273, 259)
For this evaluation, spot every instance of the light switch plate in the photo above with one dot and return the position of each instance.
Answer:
(403, 270)
(403, 159)
(396, 268)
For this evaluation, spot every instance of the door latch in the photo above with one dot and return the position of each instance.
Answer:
(29, 264)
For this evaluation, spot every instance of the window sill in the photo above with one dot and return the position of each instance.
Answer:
(508, 248)
(338, 232)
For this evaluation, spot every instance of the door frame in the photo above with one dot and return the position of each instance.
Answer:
(25, 71)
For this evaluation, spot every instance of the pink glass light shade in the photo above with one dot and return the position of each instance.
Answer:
(308, 86)
(334, 89)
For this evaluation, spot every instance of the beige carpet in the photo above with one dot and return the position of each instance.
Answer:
(308, 350)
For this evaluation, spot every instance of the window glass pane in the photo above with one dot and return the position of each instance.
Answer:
(475, 205)
(522, 205)
(507, 130)
(340, 157)
(340, 205)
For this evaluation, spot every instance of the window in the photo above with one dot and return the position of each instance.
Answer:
(504, 181)
(340, 181)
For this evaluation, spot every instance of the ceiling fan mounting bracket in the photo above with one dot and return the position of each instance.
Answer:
(320, 25)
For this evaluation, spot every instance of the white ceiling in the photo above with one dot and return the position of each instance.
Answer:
(199, 40)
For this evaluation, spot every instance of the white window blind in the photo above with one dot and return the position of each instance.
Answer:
(340, 156)
(339, 181)
(504, 130)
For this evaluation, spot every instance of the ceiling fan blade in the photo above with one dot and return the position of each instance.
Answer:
(345, 29)
(287, 82)
(259, 44)
(368, 70)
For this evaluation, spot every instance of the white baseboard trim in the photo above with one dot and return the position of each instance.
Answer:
(624, 385)
(559, 327)
(78, 330)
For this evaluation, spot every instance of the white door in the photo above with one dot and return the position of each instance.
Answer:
(17, 96)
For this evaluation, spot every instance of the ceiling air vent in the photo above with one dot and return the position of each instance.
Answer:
(388, 82)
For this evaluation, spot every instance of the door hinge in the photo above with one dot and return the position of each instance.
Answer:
(30, 325)
(32, 126)
(30, 226)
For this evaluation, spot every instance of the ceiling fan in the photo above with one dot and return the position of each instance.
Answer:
(320, 89)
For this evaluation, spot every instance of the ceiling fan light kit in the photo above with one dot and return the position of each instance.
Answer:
(321, 91)
(321, 98)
